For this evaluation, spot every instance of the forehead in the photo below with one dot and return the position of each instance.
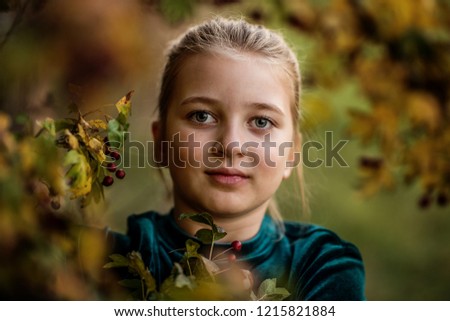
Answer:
(234, 78)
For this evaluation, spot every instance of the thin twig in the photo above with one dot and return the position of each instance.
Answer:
(212, 247)
(15, 23)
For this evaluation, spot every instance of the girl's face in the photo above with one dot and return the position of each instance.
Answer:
(231, 132)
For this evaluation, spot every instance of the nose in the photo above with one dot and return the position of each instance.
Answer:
(230, 139)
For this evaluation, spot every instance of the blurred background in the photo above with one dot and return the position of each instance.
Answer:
(375, 73)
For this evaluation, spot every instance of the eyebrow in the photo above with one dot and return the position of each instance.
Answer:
(266, 106)
(199, 99)
(212, 101)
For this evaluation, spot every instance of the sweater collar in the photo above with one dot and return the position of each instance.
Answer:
(254, 250)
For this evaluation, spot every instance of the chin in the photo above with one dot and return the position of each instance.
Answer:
(225, 210)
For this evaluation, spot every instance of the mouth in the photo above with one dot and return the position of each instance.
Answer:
(227, 176)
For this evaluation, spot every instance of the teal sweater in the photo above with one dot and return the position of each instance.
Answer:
(312, 262)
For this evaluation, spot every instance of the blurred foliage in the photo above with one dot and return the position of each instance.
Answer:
(398, 54)
(394, 54)
(41, 238)
(38, 246)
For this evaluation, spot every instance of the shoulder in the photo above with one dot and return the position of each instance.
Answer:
(326, 266)
(315, 237)
(143, 220)
(139, 228)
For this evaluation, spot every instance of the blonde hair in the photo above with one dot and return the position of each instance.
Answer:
(234, 37)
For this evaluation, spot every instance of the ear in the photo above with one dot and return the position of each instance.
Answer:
(156, 131)
(294, 156)
(158, 152)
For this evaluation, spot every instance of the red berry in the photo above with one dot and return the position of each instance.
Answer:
(120, 173)
(236, 245)
(111, 167)
(108, 181)
(115, 155)
(232, 258)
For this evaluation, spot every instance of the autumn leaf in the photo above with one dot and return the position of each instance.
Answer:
(79, 174)
(98, 123)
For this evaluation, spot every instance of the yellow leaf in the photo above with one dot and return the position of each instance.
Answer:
(98, 123)
(82, 133)
(124, 104)
(79, 174)
(96, 149)
(82, 188)
(71, 139)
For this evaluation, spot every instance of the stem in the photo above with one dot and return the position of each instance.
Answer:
(189, 267)
(176, 250)
(221, 271)
(222, 253)
(262, 298)
(212, 246)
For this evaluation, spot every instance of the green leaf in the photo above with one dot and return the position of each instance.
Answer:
(115, 135)
(136, 263)
(266, 287)
(124, 108)
(192, 247)
(268, 291)
(117, 261)
(137, 266)
(150, 282)
(219, 236)
(204, 218)
(207, 236)
(278, 294)
(49, 125)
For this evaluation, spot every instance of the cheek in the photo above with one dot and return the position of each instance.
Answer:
(189, 149)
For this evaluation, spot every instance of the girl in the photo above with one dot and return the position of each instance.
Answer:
(228, 131)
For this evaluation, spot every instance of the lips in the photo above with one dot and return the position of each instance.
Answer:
(227, 176)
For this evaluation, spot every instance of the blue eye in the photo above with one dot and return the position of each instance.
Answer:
(201, 117)
(262, 123)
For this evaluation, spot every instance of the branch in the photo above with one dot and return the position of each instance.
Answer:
(17, 20)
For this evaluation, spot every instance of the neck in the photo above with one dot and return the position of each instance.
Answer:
(238, 227)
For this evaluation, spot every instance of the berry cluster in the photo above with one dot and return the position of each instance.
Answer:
(108, 180)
